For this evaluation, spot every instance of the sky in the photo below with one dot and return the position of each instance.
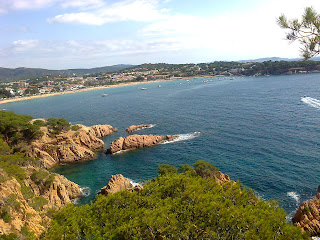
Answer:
(64, 34)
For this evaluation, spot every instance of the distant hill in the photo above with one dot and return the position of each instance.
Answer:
(274, 59)
(12, 74)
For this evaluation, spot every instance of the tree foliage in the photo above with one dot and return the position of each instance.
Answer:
(306, 31)
(176, 206)
(16, 127)
(57, 125)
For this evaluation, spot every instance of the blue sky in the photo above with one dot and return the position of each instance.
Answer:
(60, 34)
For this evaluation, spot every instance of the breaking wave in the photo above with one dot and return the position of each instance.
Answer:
(183, 137)
(151, 126)
(121, 151)
(294, 196)
(85, 191)
(134, 183)
(311, 102)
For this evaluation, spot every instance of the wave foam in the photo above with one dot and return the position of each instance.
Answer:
(121, 151)
(85, 191)
(151, 126)
(311, 102)
(183, 137)
(294, 196)
(134, 183)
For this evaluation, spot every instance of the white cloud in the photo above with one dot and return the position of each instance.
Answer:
(8, 5)
(75, 54)
(81, 3)
(128, 10)
(24, 45)
(233, 34)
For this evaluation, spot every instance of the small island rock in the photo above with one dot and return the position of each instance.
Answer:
(137, 141)
(119, 183)
(134, 128)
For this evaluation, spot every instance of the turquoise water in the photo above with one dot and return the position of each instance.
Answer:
(256, 130)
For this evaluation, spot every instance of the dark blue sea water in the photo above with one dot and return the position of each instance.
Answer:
(256, 130)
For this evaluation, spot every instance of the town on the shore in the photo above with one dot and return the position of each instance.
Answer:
(52, 83)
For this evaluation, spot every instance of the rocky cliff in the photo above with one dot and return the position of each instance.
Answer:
(119, 183)
(134, 128)
(28, 202)
(70, 146)
(308, 215)
(137, 141)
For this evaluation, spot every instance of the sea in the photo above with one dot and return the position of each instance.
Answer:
(263, 131)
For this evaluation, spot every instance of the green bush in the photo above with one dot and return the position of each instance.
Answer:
(57, 125)
(176, 206)
(39, 177)
(13, 170)
(75, 127)
(26, 191)
(5, 215)
(12, 202)
(38, 202)
(164, 169)
(39, 123)
(10, 236)
(204, 169)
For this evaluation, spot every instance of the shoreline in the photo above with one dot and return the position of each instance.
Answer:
(94, 88)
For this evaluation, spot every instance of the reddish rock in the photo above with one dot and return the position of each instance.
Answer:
(119, 183)
(308, 217)
(70, 146)
(137, 141)
(134, 128)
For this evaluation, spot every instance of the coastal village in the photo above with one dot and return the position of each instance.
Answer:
(50, 83)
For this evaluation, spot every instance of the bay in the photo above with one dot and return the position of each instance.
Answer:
(255, 129)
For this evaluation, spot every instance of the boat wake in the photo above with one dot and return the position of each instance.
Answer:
(183, 137)
(311, 102)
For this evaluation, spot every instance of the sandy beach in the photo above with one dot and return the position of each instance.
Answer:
(91, 89)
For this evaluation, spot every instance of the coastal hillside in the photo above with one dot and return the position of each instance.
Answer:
(189, 202)
(30, 194)
(12, 74)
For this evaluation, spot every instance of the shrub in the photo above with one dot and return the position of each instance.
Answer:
(176, 206)
(5, 215)
(38, 202)
(75, 127)
(164, 169)
(39, 177)
(205, 169)
(26, 191)
(57, 125)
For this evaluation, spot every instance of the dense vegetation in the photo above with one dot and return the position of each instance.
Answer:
(188, 205)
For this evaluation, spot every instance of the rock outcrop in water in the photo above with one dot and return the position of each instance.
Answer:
(70, 146)
(308, 215)
(27, 202)
(134, 128)
(137, 141)
(119, 183)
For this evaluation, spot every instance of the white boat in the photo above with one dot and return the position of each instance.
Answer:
(143, 88)
(104, 95)
(159, 85)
